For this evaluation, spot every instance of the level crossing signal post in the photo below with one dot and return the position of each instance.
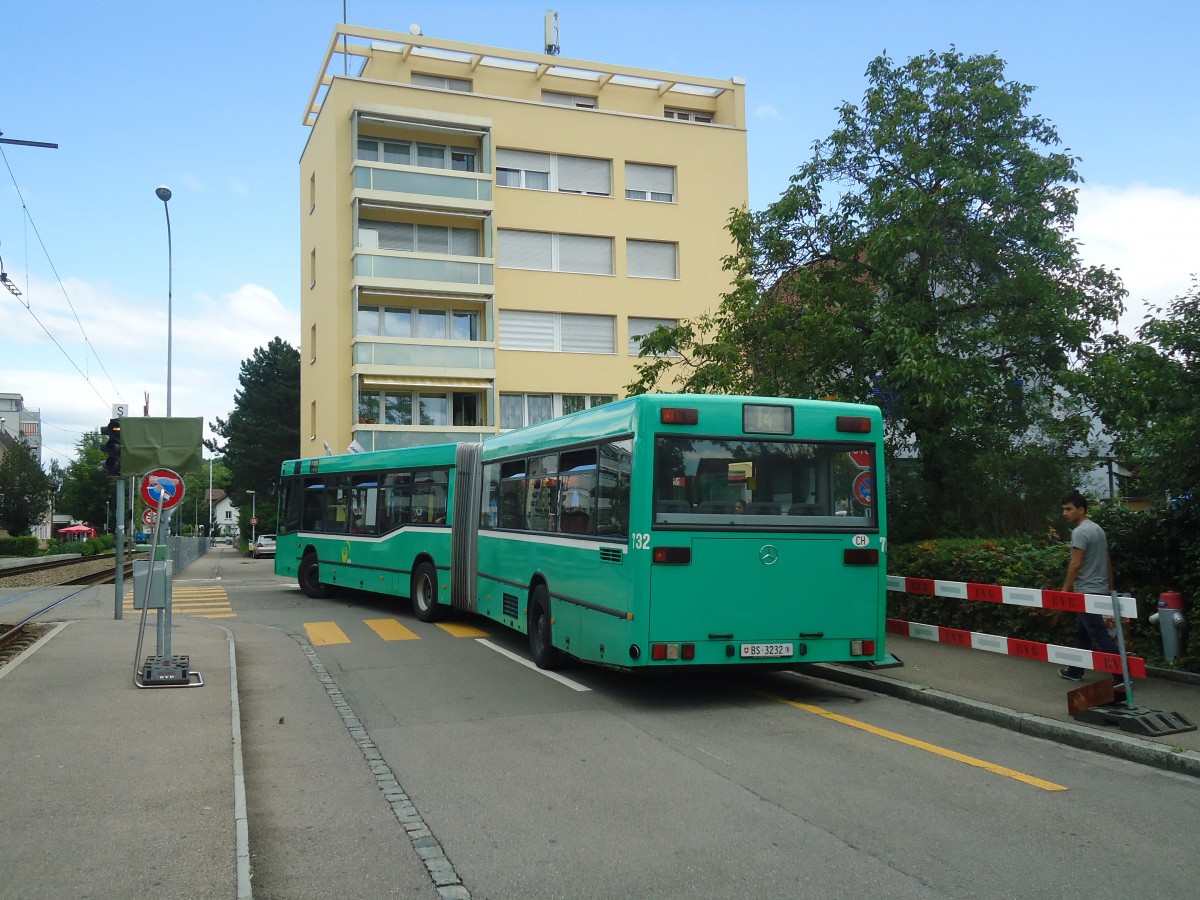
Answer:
(142, 444)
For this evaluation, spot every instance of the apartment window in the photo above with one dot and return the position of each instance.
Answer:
(556, 332)
(519, 410)
(431, 324)
(378, 235)
(577, 253)
(312, 192)
(554, 172)
(401, 407)
(312, 269)
(579, 101)
(442, 82)
(312, 344)
(412, 153)
(651, 259)
(640, 327)
(646, 182)
(688, 115)
(312, 421)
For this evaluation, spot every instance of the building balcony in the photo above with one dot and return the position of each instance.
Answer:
(415, 187)
(477, 357)
(392, 437)
(416, 271)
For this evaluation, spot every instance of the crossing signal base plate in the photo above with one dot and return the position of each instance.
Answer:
(169, 671)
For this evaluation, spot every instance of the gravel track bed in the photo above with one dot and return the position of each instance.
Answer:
(56, 576)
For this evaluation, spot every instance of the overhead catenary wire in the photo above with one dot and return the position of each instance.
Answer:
(28, 303)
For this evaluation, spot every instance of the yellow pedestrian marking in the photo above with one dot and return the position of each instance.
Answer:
(390, 630)
(921, 745)
(322, 633)
(460, 629)
(204, 602)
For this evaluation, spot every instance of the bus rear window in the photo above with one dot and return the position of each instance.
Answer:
(756, 484)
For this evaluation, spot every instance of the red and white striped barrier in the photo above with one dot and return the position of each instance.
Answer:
(1031, 597)
(1067, 656)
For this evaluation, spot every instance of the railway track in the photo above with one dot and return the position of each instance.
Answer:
(97, 570)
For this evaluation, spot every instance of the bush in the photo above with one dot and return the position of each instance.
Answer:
(25, 545)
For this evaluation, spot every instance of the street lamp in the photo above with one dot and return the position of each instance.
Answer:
(253, 517)
(164, 194)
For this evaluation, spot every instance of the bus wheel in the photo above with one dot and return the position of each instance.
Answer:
(541, 636)
(309, 578)
(424, 593)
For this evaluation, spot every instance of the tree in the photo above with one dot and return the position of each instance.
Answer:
(264, 428)
(921, 261)
(1145, 393)
(86, 489)
(25, 490)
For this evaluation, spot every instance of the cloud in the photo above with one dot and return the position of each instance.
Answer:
(1150, 234)
(766, 111)
(125, 353)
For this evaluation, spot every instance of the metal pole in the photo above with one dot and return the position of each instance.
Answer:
(119, 592)
(164, 194)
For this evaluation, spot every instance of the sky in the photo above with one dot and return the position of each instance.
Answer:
(208, 99)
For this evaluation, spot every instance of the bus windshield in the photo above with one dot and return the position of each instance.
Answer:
(745, 483)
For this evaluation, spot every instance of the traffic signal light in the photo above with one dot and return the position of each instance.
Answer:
(112, 465)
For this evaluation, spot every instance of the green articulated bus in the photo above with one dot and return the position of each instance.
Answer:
(662, 530)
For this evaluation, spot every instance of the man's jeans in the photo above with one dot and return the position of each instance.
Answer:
(1092, 634)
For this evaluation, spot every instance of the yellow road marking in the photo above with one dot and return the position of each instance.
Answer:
(459, 629)
(922, 745)
(231, 615)
(390, 630)
(322, 633)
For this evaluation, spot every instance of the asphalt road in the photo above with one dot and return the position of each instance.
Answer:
(612, 785)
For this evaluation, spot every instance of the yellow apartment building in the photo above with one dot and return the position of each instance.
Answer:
(485, 234)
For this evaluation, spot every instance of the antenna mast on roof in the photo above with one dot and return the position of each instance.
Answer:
(552, 47)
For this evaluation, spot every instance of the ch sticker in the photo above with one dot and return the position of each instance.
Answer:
(860, 540)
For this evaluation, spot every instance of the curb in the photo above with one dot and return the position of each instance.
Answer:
(1123, 746)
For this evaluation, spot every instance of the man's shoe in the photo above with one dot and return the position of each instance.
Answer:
(1069, 675)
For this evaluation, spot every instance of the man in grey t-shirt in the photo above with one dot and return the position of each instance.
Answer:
(1089, 572)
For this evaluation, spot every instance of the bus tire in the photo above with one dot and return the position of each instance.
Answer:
(310, 580)
(541, 631)
(424, 593)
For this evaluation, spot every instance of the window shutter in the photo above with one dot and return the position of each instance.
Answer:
(583, 254)
(652, 259)
(587, 334)
(521, 330)
(639, 328)
(585, 176)
(523, 159)
(524, 249)
(651, 179)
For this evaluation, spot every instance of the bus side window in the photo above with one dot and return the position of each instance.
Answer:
(612, 490)
(577, 491)
(512, 494)
(312, 505)
(489, 500)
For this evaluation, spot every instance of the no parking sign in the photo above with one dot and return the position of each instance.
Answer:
(863, 492)
(162, 485)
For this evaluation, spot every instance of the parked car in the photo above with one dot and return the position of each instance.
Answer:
(264, 546)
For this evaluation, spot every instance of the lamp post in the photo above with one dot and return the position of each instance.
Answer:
(164, 194)
(253, 518)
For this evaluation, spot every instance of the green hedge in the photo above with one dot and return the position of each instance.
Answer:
(26, 545)
(1152, 552)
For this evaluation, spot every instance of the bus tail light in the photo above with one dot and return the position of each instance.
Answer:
(857, 557)
(672, 652)
(854, 424)
(679, 415)
(862, 648)
(673, 556)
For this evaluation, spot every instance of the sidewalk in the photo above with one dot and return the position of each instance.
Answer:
(111, 790)
(1030, 697)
